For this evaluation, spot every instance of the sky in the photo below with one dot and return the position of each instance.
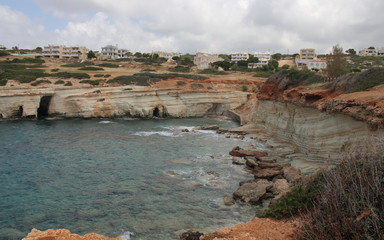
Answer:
(190, 26)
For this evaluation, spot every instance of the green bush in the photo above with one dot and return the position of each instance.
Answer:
(196, 85)
(54, 70)
(212, 71)
(68, 84)
(181, 69)
(91, 69)
(3, 54)
(263, 74)
(244, 88)
(98, 75)
(3, 82)
(92, 82)
(70, 75)
(107, 75)
(27, 60)
(108, 65)
(181, 83)
(39, 82)
(59, 82)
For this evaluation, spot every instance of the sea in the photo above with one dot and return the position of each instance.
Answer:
(139, 179)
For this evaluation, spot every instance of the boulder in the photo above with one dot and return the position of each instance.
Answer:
(280, 186)
(228, 200)
(190, 235)
(292, 174)
(237, 161)
(247, 181)
(209, 127)
(239, 152)
(267, 173)
(268, 159)
(253, 192)
(251, 163)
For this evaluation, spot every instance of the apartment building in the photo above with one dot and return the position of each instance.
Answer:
(368, 52)
(308, 59)
(204, 60)
(263, 57)
(114, 52)
(235, 57)
(58, 51)
(167, 55)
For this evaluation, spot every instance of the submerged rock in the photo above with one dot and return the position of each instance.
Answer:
(228, 200)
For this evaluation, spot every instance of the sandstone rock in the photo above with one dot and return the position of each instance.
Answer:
(237, 161)
(251, 163)
(267, 173)
(63, 234)
(190, 235)
(280, 186)
(253, 192)
(228, 201)
(264, 165)
(239, 152)
(247, 181)
(292, 174)
(268, 159)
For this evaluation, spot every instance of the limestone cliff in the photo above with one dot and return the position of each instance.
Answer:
(116, 102)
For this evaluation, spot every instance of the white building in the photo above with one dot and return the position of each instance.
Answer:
(263, 57)
(308, 59)
(114, 52)
(167, 55)
(368, 52)
(56, 51)
(204, 60)
(235, 57)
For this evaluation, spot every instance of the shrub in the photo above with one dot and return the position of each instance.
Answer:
(264, 74)
(108, 65)
(144, 79)
(181, 69)
(148, 70)
(98, 75)
(39, 82)
(372, 78)
(4, 53)
(212, 71)
(68, 84)
(91, 69)
(196, 85)
(3, 82)
(54, 70)
(107, 75)
(70, 75)
(244, 88)
(92, 82)
(27, 60)
(181, 83)
(351, 203)
(59, 82)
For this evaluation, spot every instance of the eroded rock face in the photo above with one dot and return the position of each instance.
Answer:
(63, 234)
(253, 192)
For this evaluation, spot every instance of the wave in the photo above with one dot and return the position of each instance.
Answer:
(150, 133)
(105, 122)
(127, 235)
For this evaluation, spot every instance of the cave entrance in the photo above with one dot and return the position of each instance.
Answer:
(156, 112)
(19, 112)
(42, 111)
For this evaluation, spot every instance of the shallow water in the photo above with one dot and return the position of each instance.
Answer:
(111, 177)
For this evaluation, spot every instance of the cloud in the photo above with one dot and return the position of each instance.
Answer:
(213, 26)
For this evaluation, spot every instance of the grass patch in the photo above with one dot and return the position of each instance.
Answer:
(92, 82)
(108, 65)
(40, 82)
(59, 82)
(148, 70)
(3, 82)
(196, 85)
(68, 84)
(91, 69)
(54, 70)
(98, 75)
(263, 74)
(27, 60)
(181, 83)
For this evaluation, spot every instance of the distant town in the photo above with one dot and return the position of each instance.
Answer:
(306, 59)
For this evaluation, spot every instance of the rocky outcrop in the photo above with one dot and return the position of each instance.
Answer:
(63, 234)
(139, 102)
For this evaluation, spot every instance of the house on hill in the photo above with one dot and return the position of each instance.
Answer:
(113, 52)
(204, 60)
(308, 59)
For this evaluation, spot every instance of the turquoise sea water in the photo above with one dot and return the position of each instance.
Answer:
(111, 177)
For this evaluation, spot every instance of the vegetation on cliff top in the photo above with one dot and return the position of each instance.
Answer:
(145, 79)
(345, 202)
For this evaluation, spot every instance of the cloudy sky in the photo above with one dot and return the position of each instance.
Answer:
(188, 26)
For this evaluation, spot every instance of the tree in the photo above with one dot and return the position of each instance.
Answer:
(155, 56)
(351, 51)
(91, 54)
(336, 63)
(273, 64)
(38, 49)
(285, 66)
(252, 59)
(223, 64)
(176, 58)
(146, 55)
(138, 54)
(371, 47)
(276, 56)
